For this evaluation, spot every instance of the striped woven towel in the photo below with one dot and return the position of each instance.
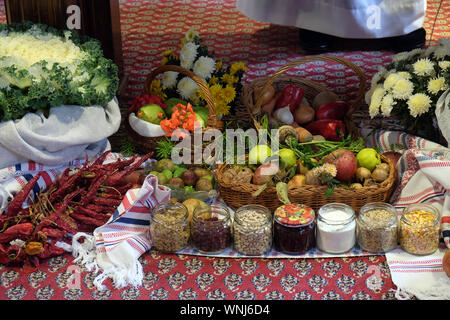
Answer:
(114, 248)
(424, 174)
(424, 177)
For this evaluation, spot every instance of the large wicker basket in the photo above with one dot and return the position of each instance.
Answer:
(148, 144)
(311, 88)
(237, 195)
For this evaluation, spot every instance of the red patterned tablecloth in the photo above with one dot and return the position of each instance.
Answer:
(150, 27)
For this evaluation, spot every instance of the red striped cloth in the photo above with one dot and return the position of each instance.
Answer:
(424, 174)
(122, 240)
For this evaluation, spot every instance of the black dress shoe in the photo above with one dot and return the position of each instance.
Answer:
(410, 41)
(316, 42)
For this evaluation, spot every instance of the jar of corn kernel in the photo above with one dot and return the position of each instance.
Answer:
(419, 229)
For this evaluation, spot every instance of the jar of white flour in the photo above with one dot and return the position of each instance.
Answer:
(336, 228)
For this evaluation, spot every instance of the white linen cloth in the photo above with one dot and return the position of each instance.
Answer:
(69, 133)
(423, 177)
(443, 114)
(115, 247)
(342, 18)
(422, 277)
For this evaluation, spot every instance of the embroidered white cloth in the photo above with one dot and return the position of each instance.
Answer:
(67, 134)
(114, 249)
(424, 177)
(421, 277)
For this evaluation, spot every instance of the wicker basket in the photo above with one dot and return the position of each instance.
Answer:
(148, 144)
(239, 194)
(311, 88)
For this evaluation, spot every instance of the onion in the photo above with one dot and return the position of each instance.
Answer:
(267, 94)
(304, 114)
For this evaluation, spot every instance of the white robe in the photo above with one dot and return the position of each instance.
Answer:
(363, 19)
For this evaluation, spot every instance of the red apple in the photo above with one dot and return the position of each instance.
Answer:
(345, 162)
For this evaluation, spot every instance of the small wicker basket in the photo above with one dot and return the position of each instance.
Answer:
(237, 195)
(311, 88)
(148, 144)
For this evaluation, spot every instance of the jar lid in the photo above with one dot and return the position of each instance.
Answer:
(294, 214)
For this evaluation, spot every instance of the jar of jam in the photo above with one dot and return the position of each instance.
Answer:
(169, 229)
(211, 228)
(419, 229)
(294, 229)
(252, 230)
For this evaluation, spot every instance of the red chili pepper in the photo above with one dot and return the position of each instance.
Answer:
(53, 233)
(87, 220)
(118, 177)
(19, 231)
(16, 205)
(51, 250)
(291, 95)
(4, 259)
(335, 110)
(332, 130)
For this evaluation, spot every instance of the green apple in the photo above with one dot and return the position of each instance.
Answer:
(287, 158)
(150, 113)
(259, 154)
(368, 158)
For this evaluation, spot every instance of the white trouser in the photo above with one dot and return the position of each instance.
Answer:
(363, 19)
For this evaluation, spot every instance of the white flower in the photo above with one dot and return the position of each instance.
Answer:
(400, 57)
(444, 42)
(404, 75)
(415, 52)
(187, 87)
(441, 52)
(391, 80)
(419, 104)
(377, 77)
(444, 64)
(403, 89)
(169, 79)
(375, 101)
(204, 67)
(428, 51)
(387, 104)
(191, 34)
(423, 67)
(435, 85)
(4, 83)
(188, 54)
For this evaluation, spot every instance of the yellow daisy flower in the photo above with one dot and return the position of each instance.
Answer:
(219, 65)
(235, 67)
(213, 80)
(157, 90)
(229, 93)
(229, 79)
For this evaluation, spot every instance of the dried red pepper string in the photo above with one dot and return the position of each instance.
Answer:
(55, 212)
(16, 204)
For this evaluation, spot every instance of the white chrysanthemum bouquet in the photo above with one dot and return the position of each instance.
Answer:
(410, 86)
(223, 83)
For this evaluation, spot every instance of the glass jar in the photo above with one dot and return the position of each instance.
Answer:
(336, 228)
(252, 230)
(377, 227)
(293, 229)
(169, 229)
(419, 229)
(211, 228)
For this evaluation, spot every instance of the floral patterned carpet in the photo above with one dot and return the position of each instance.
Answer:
(150, 27)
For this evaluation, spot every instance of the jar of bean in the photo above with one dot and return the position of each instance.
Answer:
(377, 227)
(419, 229)
(294, 229)
(252, 230)
(211, 228)
(169, 229)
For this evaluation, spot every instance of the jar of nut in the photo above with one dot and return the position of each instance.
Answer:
(377, 227)
(252, 230)
(169, 229)
(211, 228)
(419, 229)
